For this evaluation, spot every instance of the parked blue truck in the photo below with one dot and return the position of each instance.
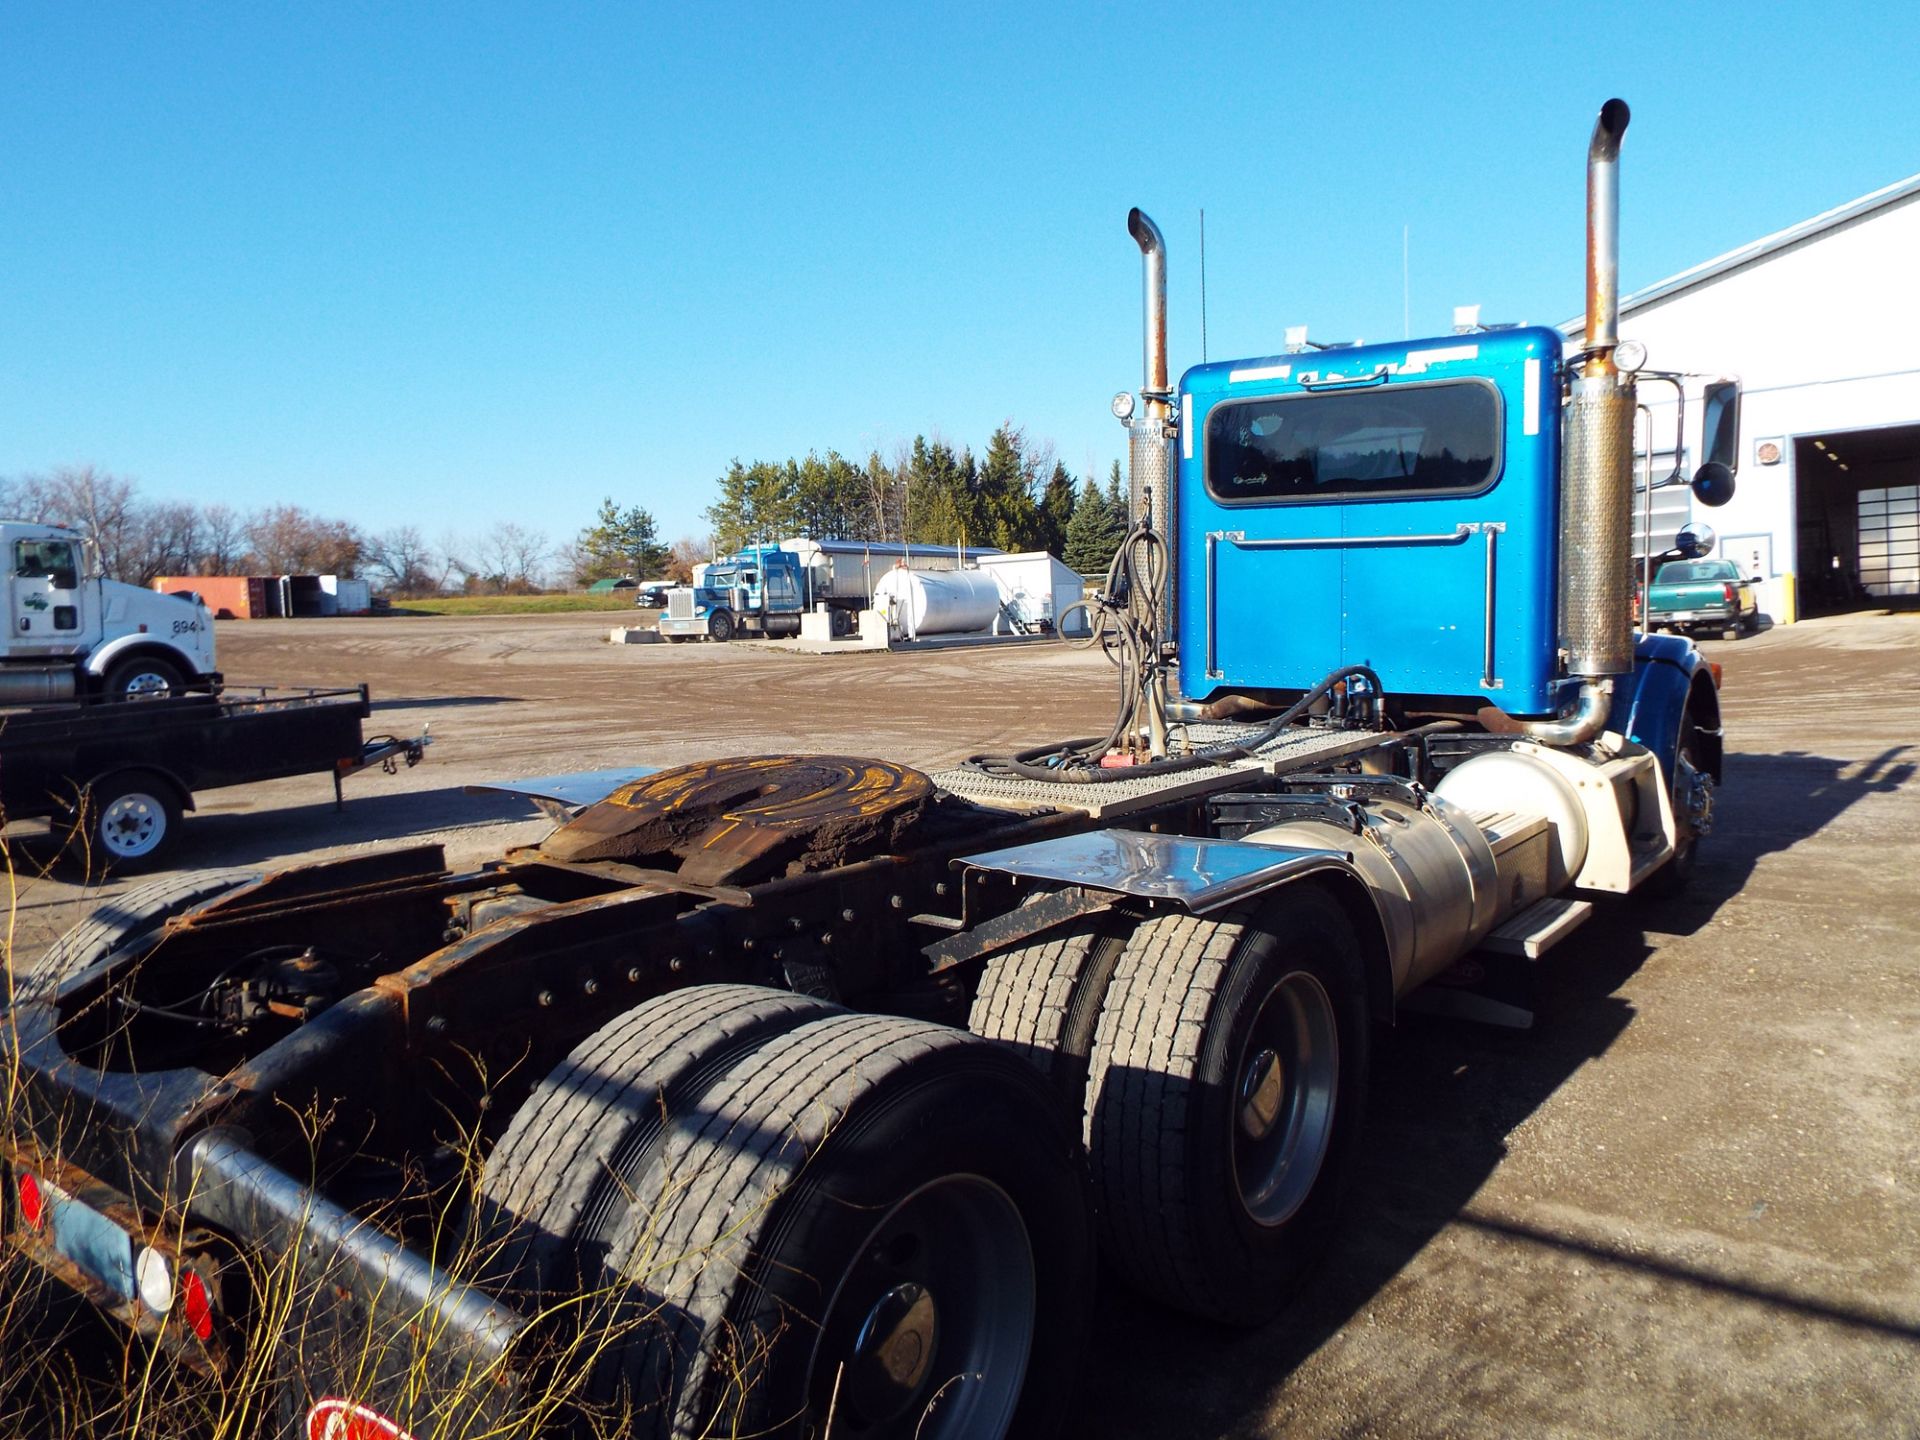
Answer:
(817, 1086)
(763, 590)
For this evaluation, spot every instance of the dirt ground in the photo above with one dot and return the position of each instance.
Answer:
(1688, 1201)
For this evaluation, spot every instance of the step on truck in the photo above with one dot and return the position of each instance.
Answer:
(786, 1093)
(73, 633)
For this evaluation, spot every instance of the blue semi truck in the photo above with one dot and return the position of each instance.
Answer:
(800, 1087)
(764, 590)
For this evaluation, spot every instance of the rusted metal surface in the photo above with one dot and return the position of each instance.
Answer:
(1042, 911)
(739, 820)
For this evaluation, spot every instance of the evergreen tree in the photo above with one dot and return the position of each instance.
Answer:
(757, 502)
(1054, 513)
(1117, 504)
(1092, 536)
(1004, 492)
(940, 495)
(622, 542)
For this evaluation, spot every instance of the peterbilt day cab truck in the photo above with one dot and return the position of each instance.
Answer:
(72, 632)
(805, 1091)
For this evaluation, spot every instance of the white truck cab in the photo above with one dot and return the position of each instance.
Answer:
(72, 632)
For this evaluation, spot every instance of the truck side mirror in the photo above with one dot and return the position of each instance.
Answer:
(1695, 541)
(1719, 443)
(1713, 483)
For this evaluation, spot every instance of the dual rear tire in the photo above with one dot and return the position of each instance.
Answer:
(752, 1212)
(1219, 1069)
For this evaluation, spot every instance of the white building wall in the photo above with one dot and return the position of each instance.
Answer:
(1821, 336)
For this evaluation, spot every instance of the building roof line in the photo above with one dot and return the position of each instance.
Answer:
(1883, 198)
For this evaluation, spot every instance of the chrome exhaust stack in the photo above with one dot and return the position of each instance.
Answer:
(1150, 477)
(1596, 495)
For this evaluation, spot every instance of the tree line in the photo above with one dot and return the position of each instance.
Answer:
(140, 540)
(1015, 495)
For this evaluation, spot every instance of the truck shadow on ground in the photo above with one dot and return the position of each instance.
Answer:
(265, 837)
(444, 702)
(1445, 1096)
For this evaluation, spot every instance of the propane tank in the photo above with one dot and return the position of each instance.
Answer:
(937, 602)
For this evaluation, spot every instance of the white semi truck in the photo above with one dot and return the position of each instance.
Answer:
(72, 633)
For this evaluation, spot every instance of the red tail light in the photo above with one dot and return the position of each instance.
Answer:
(343, 1420)
(33, 1203)
(1728, 591)
(196, 1304)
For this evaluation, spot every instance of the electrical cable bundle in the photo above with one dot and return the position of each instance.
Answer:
(1136, 579)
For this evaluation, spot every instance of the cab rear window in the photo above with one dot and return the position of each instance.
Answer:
(1391, 440)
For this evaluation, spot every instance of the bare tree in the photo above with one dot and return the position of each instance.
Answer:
(290, 541)
(403, 560)
(687, 553)
(223, 542)
(511, 555)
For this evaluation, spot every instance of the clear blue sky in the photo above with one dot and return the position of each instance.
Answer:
(455, 264)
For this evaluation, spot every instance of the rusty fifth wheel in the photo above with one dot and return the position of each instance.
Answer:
(742, 820)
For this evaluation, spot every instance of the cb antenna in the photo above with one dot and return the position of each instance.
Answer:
(1203, 284)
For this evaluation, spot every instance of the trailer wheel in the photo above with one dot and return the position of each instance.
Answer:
(721, 626)
(551, 1191)
(124, 919)
(866, 1218)
(1224, 1101)
(126, 822)
(143, 677)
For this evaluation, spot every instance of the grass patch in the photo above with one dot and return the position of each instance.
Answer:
(520, 605)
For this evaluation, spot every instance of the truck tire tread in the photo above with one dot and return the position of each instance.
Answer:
(1161, 1121)
(1145, 1050)
(1044, 997)
(764, 1125)
(124, 918)
(566, 1156)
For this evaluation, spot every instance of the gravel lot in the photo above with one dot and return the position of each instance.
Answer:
(1687, 1202)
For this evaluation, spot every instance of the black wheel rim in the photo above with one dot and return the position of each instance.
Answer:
(1286, 1087)
(929, 1328)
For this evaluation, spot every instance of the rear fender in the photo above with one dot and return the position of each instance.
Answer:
(154, 776)
(1668, 671)
(1199, 875)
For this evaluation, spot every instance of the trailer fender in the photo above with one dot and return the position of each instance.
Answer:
(154, 776)
(1669, 674)
(129, 646)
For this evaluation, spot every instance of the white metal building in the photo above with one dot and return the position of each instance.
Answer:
(1818, 322)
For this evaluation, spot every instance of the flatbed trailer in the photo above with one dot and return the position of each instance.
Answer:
(116, 776)
(798, 1095)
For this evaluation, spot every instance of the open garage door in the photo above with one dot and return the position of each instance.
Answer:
(1858, 510)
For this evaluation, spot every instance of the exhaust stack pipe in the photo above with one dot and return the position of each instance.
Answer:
(1153, 254)
(1603, 236)
(1596, 495)
(1150, 463)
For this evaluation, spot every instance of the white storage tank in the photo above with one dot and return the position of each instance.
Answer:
(946, 602)
(1035, 586)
